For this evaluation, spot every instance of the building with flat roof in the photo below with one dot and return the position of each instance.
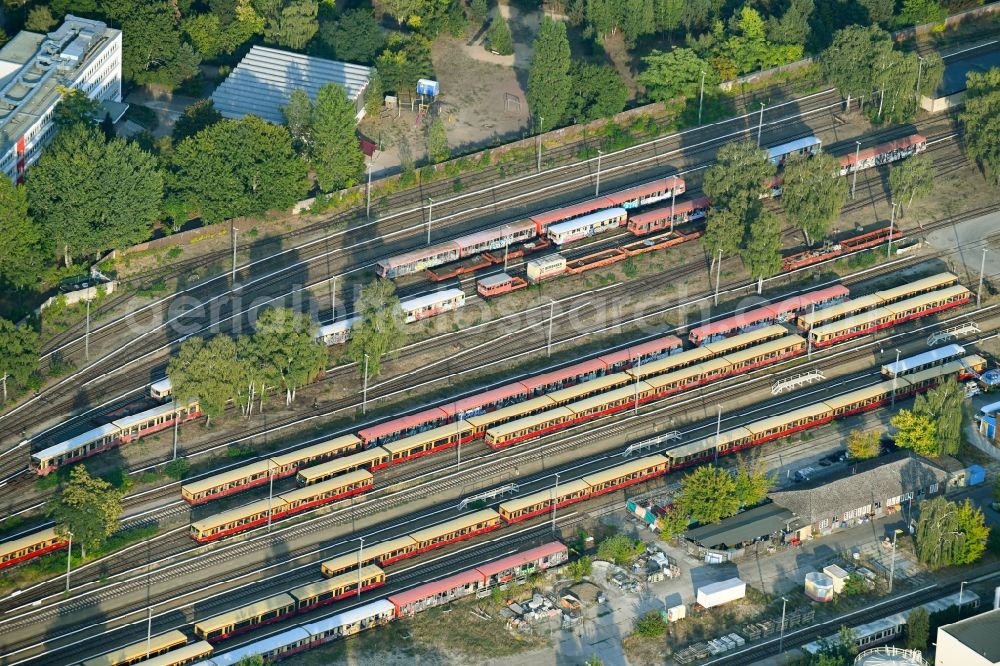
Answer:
(974, 641)
(264, 80)
(81, 53)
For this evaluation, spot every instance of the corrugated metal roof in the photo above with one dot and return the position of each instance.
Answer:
(264, 80)
(546, 550)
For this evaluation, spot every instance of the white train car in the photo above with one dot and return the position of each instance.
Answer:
(587, 225)
(431, 305)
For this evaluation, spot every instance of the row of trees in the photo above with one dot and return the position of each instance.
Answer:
(981, 120)
(282, 354)
(709, 493)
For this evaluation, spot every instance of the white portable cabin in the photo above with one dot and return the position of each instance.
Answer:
(716, 594)
(548, 266)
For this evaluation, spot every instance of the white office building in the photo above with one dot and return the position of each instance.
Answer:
(81, 53)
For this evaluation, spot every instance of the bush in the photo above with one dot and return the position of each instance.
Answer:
(619, 549)
(580, 569)
(650, 625)
(177, 469)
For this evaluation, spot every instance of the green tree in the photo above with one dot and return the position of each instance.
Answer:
(549, 82)
(863, 444)
(22, 244)
(580, 568)
(196, 117)
(918, 12)
(916, 432)
(668, 14)
(981, 120)
(762, 247)
(289, 23)
(75, 107)
(996, 489)
(736, 179)
(650, 625)
(676, 73)
(238, 168)
(813, 194)
(88, 508)
(287, 342)
(89, 194)
(354, 37)
(752, 483)
(212, 373)
(336, 155)
(221, 31)
(437, 141)
(18, 355)
(673, 522)
(479, 9)
(942, 405)
(252, 660)
(299, 120)
(855, 56)
(793, 26)
(918, 629)
(619, 549)
(598, 92)
(404, 60)
(374, 96)
(880, 11)
(602, 16)
(380, 329)
(708, 494)
(723, 232)
(40, 19)
(499, 38)
(637, 19)
(950, 534)
(152, 49)
(402, 10)
(912, 178)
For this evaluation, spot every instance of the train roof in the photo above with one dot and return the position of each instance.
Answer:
(666, 364)
(658, 185)
(780, 420)
(862, 394)
(923, 284)
(573, 210)
(511, 411)
(76, 442)
(374, 551)
(449, 526)
(495, 280)
(731, 322)
(431, 435)
(225, 517)
(843, 309)
(250, 469)
(314, 450)
(329, 584)
(803, 301)
(570, 371)
(435, 587)
(929, 297)
(587, 220)
(797, 144)
(750, 337)
(137, 650)
(623, 393)
(159, 410)
(337, 327)
(667, 342)
(431, 299)
(624, 469)
(182, 655)
(868, 153)
(401, 423)
(272, 642)
(709, 366)
(930, 356)
(417, 255)
(502, 429)
(567, 488)
(486, 397)
(767, 347)
(162, 386)
(17, 544)
(860, 319)
(330, 484)
(350, 616)
(601, 383)
(707, 443)
(655, 214)
(337, 464)
(949, 368)
(246, 612)
(519, 559)
(494, 233)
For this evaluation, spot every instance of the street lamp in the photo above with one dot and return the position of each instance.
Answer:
(781, 636)
(892, 561)
(361, 550)
(760, 124)
(894, 375)
(892, 223)
(69, 558)
(364, 393)
(961, 590)
(555, 501)
(597, 188)
(854, 178)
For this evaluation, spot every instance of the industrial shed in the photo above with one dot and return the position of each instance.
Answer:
(264, 80)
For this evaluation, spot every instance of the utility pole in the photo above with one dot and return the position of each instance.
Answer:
(538, 144)
(333, 300)
(718, 432)
(555, 501)
(673, 200)
(597, 188)
(430, 212)
(760, 124)
(854, 178)
(361, 550)
(892, 562)
(894, 375)
(701, 97)
(892, 222)
(364, 394)
(86, 335)
(982, 269)
(916, 93)
(368, 192)
(177, 422)
(235, 230)
(781, 637)
(809, 342)
(270, 493)
(638, 367)
(718, 276)
(149, 631)
(548, 345)
(69, 560)
(961, 594)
